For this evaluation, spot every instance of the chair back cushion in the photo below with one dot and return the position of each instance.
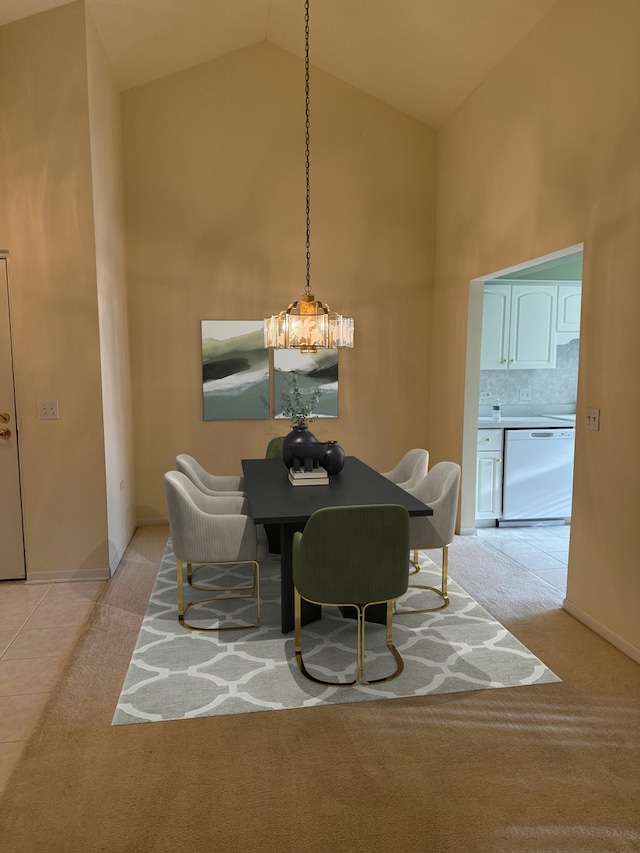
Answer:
(411, 469)
(274, 448)
(439, 490)
(206, 482)
(353, 554)
(207, 528)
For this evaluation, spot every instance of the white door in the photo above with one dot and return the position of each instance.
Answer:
(12, 566)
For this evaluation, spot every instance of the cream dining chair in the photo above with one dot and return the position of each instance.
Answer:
(209, 484)
(411, 469)
(439, 490)
(214, 535)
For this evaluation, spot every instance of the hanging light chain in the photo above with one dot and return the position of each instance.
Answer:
(307, 124)
(308, 324)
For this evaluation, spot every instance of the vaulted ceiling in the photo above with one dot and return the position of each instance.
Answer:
(423, 57)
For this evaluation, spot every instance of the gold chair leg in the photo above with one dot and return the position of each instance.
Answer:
(297, 610)
(179, 565)
(441, 592)
(182, 609)
(389, 638)
(415, 562)
(360, 628)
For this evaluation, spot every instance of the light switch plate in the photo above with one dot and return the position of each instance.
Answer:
(593, 419)
(48, 411)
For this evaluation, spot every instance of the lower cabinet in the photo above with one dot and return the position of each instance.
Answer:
(489, 474)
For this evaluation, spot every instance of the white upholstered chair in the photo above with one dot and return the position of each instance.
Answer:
(214, 535)
(411, 469)
(210, 484)
(439, 490)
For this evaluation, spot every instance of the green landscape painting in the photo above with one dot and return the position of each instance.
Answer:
(235, 370)
(314, 371)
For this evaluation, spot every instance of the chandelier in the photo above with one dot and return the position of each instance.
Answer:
(308, 324)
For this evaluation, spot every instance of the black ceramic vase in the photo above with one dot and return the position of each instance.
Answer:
(333, 459)
(298, 435)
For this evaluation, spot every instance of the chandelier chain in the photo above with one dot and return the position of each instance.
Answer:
(308, 324)
(307, 124)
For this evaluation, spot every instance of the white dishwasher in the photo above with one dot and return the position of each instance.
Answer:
(538, 474)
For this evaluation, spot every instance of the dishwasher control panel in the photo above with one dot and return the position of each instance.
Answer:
(549, 433)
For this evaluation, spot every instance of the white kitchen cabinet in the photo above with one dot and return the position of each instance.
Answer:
(569, 298)
(489, 474)
(519, 326)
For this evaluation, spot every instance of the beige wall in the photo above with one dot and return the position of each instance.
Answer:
(544, 155)
(47, 225)
(214, 174)
(108, 209)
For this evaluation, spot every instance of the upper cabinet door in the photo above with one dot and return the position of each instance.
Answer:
(496, 313)
(532, 340)
(569, 298)
(519, 327)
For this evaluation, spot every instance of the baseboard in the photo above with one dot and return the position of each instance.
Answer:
(71, 575)
(115, 561)
(467, 531)
(606, 633)
(149, 522)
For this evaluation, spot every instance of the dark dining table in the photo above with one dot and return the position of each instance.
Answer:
(274, 500)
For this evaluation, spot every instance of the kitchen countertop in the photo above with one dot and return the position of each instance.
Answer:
(527, 423)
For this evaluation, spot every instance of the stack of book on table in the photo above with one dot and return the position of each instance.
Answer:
(314, 477)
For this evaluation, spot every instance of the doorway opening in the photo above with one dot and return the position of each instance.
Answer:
(523, 385)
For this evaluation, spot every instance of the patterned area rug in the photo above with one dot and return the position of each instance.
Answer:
(179, 674)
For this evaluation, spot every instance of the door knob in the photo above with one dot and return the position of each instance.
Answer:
(5, 417)
(5, 434)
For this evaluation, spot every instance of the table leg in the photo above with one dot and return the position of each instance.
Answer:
(310, 612)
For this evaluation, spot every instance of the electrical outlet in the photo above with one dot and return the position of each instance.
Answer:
(593, 419)
(48, 411)
(484, 396)
(525, 395)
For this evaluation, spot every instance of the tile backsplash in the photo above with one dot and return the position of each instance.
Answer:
(550, 390)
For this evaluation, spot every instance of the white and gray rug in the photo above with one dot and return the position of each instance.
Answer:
(178, 674)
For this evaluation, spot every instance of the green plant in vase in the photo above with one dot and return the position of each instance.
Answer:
(297, 408)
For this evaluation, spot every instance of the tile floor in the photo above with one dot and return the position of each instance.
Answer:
(542, 550)
(39, 625)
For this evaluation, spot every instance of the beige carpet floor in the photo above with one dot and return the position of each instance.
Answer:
(551, 767)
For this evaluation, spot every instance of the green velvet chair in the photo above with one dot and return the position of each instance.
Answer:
(352, 557)
(274, 448)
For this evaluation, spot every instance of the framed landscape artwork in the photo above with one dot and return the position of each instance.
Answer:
(313, 370)
(235, 370)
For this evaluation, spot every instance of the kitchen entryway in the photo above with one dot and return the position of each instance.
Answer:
(542, 550)
(522, 362)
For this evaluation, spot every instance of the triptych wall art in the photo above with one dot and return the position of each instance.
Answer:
(236, 370)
